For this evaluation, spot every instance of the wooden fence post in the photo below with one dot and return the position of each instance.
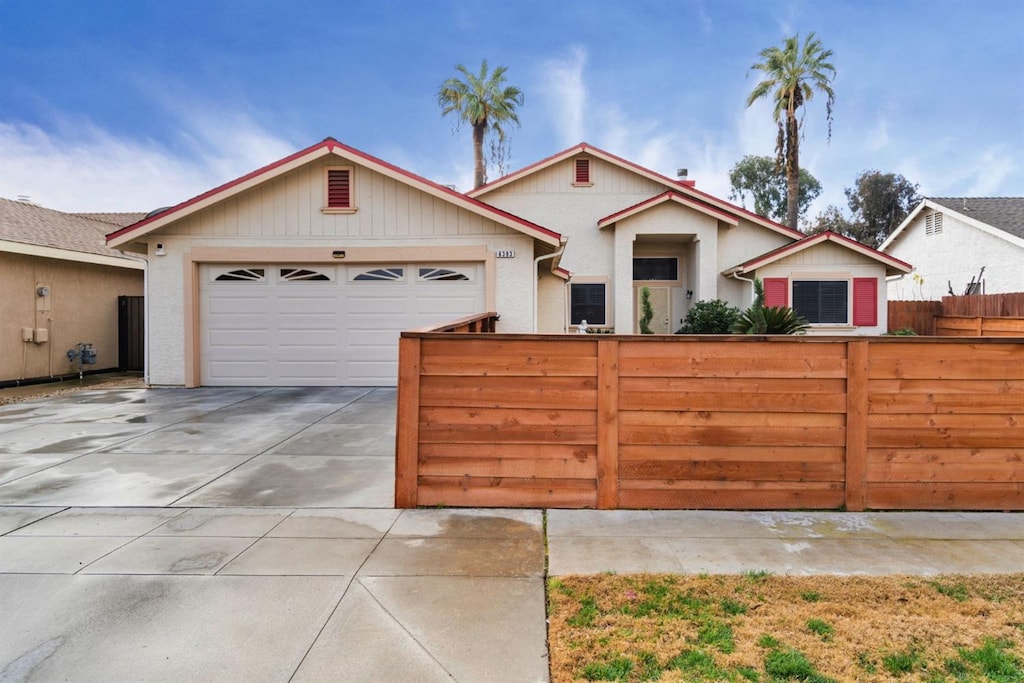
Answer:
(408, 427)
(607, 424)
(856, 424)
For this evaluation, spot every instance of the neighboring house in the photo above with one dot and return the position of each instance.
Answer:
(59, 284)
(303, 272)
(951, 239)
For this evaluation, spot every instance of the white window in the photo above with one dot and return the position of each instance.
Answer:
(303, 275)
(242, 275)
(382, 274)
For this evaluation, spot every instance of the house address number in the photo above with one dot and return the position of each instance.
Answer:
(505, 253)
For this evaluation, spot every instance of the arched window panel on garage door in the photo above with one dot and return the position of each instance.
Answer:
(378, 274)
(240, 275)
(438, 274)
(305, 275)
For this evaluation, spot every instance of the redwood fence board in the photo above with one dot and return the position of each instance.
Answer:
(621, 421)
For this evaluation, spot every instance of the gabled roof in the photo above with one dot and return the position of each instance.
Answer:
(328, 146)
(893, 266)
(36, 231)
(683, 187)
(667, 196)
(1002, 217)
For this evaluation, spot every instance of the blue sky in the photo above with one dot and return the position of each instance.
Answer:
(128, 105)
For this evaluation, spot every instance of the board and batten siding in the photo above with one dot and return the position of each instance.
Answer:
(730, 422)
(291, 206)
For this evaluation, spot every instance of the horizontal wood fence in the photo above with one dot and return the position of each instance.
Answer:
(698, 422)
(963, 326)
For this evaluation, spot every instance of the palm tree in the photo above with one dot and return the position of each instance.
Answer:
(485, 103)
(791, 75)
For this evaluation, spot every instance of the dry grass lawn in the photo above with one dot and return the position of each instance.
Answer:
(758, 627)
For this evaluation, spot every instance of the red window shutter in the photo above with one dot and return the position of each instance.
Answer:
(339, 189)
(776, 291)
(582, 171)
(865, 301)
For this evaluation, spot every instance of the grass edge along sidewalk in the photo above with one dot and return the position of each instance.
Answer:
(761, 627)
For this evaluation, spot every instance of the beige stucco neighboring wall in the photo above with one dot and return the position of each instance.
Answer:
(81, 307)
(828, 261)
(953, 257)
(282, 222)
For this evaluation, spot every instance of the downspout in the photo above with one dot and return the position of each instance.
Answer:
(536, 276)
(737, 276)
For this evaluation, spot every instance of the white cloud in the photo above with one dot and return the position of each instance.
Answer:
(878, 137)
(76, 165)
(989, 172)
(566, 92)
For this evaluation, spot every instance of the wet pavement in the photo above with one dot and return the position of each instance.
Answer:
(249, 534)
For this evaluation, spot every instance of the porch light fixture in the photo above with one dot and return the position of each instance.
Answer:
(160, 251)
(689, 294)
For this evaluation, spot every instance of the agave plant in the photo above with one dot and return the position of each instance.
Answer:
(769, 320)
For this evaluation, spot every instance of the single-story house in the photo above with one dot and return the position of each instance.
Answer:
(60, 285)
(303, 272)
(951, 239)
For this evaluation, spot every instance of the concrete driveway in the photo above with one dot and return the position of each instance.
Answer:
(248, 535)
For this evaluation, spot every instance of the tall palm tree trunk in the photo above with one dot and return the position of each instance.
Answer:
(792, 169)
(478, 153)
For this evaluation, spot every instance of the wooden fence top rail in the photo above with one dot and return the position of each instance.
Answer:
(438, 332)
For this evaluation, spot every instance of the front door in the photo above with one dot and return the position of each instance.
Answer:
(661, 304)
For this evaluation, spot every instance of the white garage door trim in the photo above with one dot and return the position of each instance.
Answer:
(322, 325)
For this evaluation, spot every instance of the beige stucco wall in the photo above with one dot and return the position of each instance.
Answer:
(285, 213)
(955, 256)
(705, 246)
(81, 307)
(827, 261)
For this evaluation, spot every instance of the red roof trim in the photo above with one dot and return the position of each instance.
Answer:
(668, 195)
(330, 145)
(811, 240)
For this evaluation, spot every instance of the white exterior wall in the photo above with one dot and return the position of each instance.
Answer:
(955, 255)
(286, 213)
(548, 197)
(738, 245)
(831, 262)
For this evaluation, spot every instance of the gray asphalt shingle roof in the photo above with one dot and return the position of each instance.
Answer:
(30, 224)
(1005, 213)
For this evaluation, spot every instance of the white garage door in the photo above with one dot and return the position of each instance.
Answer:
(305, 325)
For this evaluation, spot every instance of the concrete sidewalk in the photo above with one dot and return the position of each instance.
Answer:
(729, 542)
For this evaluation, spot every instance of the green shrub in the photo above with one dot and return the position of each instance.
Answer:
(902, 332)
(773, 320)
(710, 317)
